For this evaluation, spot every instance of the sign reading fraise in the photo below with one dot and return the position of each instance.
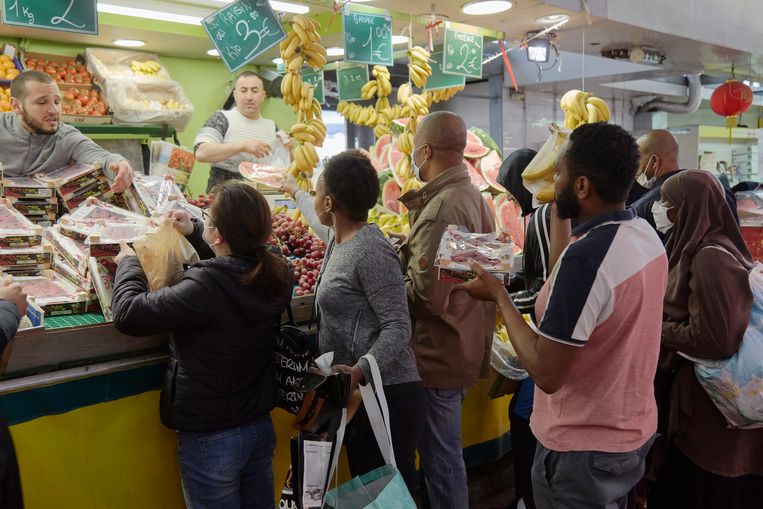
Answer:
(462, 54)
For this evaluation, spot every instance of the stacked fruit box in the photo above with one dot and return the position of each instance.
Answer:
(36, 200)
(98, 227)
(21, 245)
(54, 294)
(77, 182)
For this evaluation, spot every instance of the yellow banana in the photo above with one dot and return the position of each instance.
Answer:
(291, 49)
(311, 153)
(546, 194)
(303, 37)
(296, 63)
(593, 113)
(601, 106)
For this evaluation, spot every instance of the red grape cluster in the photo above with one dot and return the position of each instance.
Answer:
(295, 240)
(203, 201)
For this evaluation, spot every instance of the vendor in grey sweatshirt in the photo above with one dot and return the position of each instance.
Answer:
(363, 307)
(33, 139)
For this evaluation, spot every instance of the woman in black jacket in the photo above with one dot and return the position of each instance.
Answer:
(222, 316)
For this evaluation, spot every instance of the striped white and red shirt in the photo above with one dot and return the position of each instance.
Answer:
(605, 295)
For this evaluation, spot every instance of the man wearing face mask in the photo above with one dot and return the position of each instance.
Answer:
(452, 332)
(33, 139)
(658, 162)
(239, 134)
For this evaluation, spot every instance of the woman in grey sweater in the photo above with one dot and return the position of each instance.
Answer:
(363, 307)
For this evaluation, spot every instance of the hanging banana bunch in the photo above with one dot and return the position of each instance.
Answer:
(419, 69)
(301, 48)
(583, 108)
(445, 94)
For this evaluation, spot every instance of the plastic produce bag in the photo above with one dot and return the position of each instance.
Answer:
(504, 359)
(162, 255)
(538, 176)
(105, 63)
(266, 174)
(736, 384)
(148, 102)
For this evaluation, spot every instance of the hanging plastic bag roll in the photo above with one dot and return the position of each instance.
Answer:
(162, 255)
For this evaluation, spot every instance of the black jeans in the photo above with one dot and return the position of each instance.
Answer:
(523, 448)
(405, 402)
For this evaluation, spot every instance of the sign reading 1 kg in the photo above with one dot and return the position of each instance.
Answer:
(367, 37)
(462, 53)
(78, 16)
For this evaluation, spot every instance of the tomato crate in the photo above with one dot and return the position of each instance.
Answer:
(753, 237)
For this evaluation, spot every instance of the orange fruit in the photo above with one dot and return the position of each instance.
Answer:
(5, 58)
(12, 73)
(5, 105)
(7, 64)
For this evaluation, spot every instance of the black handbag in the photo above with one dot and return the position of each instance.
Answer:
(292, 355)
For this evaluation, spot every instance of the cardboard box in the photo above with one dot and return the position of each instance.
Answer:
(16, 230)
(55, 295)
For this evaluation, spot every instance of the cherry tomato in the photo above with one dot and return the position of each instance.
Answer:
(74, 92)
(69, 96)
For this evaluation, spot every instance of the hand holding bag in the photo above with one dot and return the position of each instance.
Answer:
(384, 487)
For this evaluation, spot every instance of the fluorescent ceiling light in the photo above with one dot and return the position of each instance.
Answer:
(149, 14)
(334, 51)
(552, 18)
(746, 82)
(289, 7)
(129, 43)
(213, 53)
(399, 39)
(486, 7)
(277, 60)
(281, 6)
(755, 84)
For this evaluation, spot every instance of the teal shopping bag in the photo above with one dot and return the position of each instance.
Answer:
(382, 488)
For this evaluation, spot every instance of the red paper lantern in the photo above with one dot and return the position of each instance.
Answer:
(731, 99)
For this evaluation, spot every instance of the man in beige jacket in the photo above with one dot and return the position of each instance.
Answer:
(452, 332)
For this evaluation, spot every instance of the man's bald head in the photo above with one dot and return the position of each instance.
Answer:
(659, 153)
(442, 130)
(438, 144)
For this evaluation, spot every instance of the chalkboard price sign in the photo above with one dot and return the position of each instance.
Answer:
(439, 79)
(316, 80)
(463, 53)
(243, 30)
(367, 37)
(78, 16)
(350, 80)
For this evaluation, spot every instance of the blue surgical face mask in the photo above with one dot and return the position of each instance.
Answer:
(417, 168)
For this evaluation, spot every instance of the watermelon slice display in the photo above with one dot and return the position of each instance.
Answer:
(383, 157)
(390, 194)
(475, 150)
(510, 219)
(475, 177)
(485, 139)
(489, 166)
(473, 138)
(380, 146)
(393, 156)
(489, 199)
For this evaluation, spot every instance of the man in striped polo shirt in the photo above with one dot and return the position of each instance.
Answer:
(594, 353)
(239, 134)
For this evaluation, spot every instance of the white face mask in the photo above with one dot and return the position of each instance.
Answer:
(661, 220)
(645, 181)
(416, 168)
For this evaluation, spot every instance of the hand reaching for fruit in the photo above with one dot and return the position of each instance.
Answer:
(289, 185)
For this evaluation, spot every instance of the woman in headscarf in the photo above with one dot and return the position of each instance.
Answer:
(707, 310)
(524, 290)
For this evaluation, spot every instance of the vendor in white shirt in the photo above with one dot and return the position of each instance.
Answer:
(230, 137)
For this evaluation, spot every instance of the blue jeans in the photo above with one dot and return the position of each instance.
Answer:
(228, 469)
(442, 458)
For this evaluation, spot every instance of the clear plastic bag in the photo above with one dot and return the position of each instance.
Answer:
(168, 158)
(538, 176)
(266, 174)
(504, 359)
(105, 63)
(148, 102)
